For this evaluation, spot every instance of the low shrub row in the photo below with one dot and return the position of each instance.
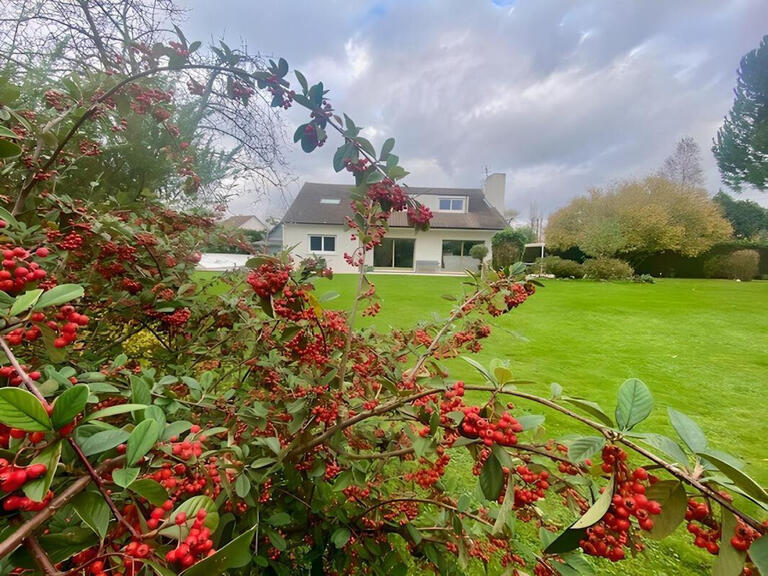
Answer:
(594, 268)
(742, 265)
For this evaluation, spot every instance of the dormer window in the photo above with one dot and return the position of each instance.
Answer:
(452, 204)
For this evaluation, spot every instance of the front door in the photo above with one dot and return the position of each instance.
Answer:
(394, 253)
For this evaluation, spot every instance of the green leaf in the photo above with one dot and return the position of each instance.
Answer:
(340, 537)
(69, 404)
(190, 507)
(758, 553)
(93, 510)
(114, 411)
(59, 295)
(37, 489)
(597, 510)
(21, 409)
(236, 554)
(386, 148)
(242, 485)
(491, 478)
(103, 441)
(504, 515)
(123, 477)
(9, 149)
(729, 561)
(565, 542)
(302, 80)
(480, 368)
(674, 501)
(141, 440)
(8, 133)
(664, 444)
(585, 447)
(279, 519)
(591, 408)
(25, 301)
(59, 545)
(688, 430)
(531, 421)
(634, 404)
(140, 392)
(739, 478)
(150, 489)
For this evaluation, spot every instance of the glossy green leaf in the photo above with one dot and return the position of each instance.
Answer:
(674, 502)
(114, 411)
(566, 541)
(758, 553)
(664, 444)
(729, 561)
(93, 510)
(386, 148)
(69, 404)
(491, 478)
(235, 554)
(37, 489)
(340, 537)
(59, 295)
(141, 440)
(9, 149)
(634, 404)
(191, 506)
(585, 447)
(150, 489)
(25, 301)
(21, 409)
(738, 477)
(591, 408)
(124, 476)
(688, 430)
(103, 441)
(242, 485)
(8, 133)
(597, 510)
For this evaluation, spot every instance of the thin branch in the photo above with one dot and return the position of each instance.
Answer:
(22, 373)
(40, 557)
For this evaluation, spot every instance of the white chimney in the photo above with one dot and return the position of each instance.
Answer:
(493, 188)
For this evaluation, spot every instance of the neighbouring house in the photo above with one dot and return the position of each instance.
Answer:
(245, 222)
(463, 217)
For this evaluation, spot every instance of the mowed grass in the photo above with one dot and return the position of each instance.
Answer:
(700, 345)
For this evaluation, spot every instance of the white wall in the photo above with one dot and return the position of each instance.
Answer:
(428, 247)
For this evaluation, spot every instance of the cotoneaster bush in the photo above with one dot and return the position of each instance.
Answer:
(152, 425)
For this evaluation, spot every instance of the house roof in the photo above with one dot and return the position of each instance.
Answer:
(307, 208)
(237, 221)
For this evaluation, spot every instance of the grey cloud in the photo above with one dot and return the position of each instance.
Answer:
(561, 95)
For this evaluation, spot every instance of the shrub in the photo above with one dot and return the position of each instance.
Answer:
(742, 265)
(607, 269)
(508, 246)
(479, 251)
(560, 267)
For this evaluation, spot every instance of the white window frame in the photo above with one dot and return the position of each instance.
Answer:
(322, 243)
(463, 200)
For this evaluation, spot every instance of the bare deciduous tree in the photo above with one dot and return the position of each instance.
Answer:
(684, 165)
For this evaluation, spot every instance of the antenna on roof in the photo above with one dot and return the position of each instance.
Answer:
(485, 168)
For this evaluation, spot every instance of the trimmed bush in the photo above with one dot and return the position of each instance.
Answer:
(742, 265)
(559, 267)
(607, 269)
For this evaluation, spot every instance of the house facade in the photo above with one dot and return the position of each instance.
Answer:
(315, 224)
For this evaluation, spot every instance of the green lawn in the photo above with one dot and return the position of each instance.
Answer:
(700, 345)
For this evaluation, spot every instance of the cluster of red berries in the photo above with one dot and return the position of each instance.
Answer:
(419, 217)
(269, 279)
(7, 433)
(72, 241)
(608, 538)
(14, 378)
(430, 473)
(186, 450)
(178, 318)
(389, 195)
(503, 432)
(68, 323)
(516, 295)
(704, 527)
(89, 148)
(537, 485)
(196, 546)
(18, 272)
(56, 100)
(134, 549)
(13, 477)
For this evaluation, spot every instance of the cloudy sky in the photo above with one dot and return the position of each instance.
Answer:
(561, 95)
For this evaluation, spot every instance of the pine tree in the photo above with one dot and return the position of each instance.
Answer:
(741, 145)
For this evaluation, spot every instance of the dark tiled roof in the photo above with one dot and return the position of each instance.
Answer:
(307, 208)
(237, 221)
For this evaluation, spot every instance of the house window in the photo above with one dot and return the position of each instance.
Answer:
(330, 201)
(456, 255)
(322, 243)
(451, 204)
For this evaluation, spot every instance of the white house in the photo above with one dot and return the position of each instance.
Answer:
(463, 217)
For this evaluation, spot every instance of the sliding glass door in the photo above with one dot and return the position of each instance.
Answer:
(394, 253)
